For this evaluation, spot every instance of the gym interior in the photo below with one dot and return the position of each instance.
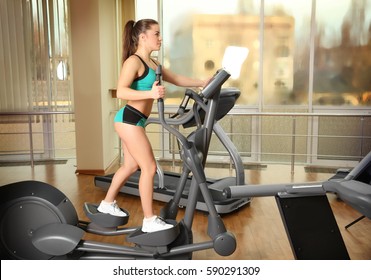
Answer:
(302, 116)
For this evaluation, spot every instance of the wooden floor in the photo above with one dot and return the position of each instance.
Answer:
(258, 227)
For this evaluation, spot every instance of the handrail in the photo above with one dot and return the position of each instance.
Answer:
(293, 134)
(36, 113)
(238, 113)
(30, 114)
(231, 113)
(294, 114)
(171, 109)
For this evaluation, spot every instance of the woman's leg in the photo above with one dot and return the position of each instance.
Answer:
(138, 151)
(121, 175)
(108, 204)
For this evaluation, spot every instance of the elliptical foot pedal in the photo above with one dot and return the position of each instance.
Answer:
(102, 219)
(157, 238)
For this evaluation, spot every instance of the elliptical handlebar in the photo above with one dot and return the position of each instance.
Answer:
(183, 105)
(208, 92)
(273, 189)
(161, 112)
(215, 83)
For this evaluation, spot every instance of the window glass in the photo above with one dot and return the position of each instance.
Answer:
(199, 37)
(49, 54)
(342, 62)
(197, 34)
(146, 9)
(37, 79)
(286, 52)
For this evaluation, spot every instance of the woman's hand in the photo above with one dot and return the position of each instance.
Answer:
(157, 91)
(205, 82)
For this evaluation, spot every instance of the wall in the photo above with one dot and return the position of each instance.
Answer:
(94, 59)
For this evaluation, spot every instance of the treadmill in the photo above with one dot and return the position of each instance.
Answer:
(166, 182)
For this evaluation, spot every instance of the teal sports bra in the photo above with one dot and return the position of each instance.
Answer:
(146, 80)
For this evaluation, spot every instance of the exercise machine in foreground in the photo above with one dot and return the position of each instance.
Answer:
(37, 221)
(306, 213)
(167, 183)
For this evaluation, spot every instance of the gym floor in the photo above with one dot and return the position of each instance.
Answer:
(258, 227)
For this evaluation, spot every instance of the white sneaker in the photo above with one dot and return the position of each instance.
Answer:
(111, 208)
(154, 224)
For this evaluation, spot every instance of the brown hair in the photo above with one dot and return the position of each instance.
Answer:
(132, 31)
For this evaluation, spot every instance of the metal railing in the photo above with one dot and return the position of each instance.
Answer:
(259, 137)
(298, 137)
(332, 134)
(47, 129)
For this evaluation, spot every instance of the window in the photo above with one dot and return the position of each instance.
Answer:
(286, 52)
(303, 57)
(196, 35)
(35, 77)
(342, 62)
(35, 74)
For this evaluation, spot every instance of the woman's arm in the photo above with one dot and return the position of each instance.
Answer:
(182, 81)
(129, 72)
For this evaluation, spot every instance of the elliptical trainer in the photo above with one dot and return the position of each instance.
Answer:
(37, 221)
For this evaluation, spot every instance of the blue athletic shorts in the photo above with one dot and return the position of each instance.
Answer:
(130, 115)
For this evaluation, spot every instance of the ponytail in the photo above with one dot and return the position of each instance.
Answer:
(129, 46)
(132, 30)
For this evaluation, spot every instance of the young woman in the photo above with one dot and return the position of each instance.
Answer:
(137, 84)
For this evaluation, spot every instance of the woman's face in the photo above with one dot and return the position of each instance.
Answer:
(152, 37)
